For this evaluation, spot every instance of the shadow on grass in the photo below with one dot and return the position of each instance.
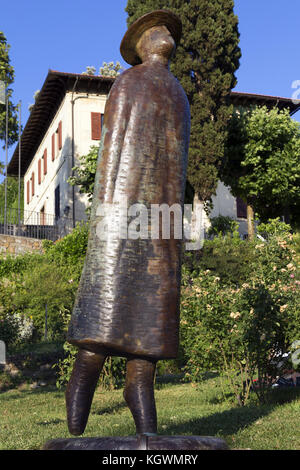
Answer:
(221, 424)
(109, 408)
(218, 424)
(232, 421)
(17, 394)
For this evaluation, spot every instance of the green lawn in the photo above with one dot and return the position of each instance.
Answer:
(31, 417)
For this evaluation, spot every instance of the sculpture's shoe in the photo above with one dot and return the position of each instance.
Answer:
(139, 395)
(81, 388)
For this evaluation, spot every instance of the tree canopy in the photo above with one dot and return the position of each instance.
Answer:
(262, 161)
(84, 173)
(7, 76)
(205, 62)
(108, 69)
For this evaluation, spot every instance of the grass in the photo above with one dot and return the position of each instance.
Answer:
(29, 418)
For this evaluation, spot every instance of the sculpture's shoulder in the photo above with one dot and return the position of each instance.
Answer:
(144, 82)
(124, 80)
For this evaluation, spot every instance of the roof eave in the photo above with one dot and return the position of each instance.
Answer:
(54, 89)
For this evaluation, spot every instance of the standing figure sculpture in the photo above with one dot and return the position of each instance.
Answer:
(128, 298)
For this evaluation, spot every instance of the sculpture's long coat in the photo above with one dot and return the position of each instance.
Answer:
(128, 298)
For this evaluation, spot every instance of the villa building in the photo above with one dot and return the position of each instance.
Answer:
(65, 121)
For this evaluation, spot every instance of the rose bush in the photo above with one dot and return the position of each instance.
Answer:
(241, 329)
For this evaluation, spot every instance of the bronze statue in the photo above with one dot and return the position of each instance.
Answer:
(128, 299)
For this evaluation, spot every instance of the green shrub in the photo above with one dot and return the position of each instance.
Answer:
(296, 243)
(47, 288)
(71, 249)
(11, 265)
(228, 257)
(222, 225)
(112, 375)
(241, 329)
(8, 329)
(274, 227)
(15, 329)
(34, 283)
(294, 359)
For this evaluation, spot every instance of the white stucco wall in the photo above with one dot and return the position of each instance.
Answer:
(59, 170)
(83, 107)
(224, 203)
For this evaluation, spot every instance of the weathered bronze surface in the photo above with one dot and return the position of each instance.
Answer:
(128, 299)
(139, 443)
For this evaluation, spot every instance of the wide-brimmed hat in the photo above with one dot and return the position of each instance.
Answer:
(134, 32)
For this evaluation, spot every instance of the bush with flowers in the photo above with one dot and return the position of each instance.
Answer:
(227, 256)
(36, 284)
(15, 328)
(242, 329)
(44, 296)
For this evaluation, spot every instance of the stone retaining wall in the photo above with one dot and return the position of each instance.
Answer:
(10, 245)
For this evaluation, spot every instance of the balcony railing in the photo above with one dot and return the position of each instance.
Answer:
(32, 224)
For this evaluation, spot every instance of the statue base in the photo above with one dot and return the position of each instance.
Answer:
(139, 442)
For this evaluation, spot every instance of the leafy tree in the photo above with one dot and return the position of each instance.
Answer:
(84, 173)
(7, 76)
(35, 96)
(206, 60)
(90, 70)
(12, 196)
(262, 163)
(108, 69)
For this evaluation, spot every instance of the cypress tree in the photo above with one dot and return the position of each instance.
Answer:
(205, 62)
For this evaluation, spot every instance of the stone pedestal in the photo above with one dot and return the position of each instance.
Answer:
(141, 442)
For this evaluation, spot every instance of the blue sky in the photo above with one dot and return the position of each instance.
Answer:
(68, 35)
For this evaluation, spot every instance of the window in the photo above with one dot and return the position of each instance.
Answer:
(59, 135)
(96, 125)
(28, 192)
(32, 184)
(56, 141)
(45, 161)
(53, 146)
(39, 172)
(241, 208)
(57, 202)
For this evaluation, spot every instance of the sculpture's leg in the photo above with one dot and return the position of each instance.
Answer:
(139, 394)
(81, 388)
